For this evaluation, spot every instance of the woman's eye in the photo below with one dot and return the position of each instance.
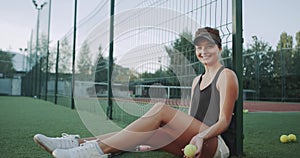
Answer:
(210, 46)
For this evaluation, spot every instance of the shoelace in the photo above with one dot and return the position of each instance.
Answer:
(89, 141)
(66, 143)
(85, 149)
(65, 135)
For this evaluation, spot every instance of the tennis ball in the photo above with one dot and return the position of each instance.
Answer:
(245, 110)
(284, 138)
(292, 137)
(190, 150)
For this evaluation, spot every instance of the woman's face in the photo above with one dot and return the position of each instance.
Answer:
(207, 52)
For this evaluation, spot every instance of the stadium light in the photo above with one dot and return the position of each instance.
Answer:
(38, 8)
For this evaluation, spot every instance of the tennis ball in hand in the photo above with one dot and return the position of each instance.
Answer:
(190, 150)
(292, 137)
(284, 138)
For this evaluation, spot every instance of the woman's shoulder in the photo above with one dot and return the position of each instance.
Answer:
(227, 74)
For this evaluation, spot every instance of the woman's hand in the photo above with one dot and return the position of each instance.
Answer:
(198, 142)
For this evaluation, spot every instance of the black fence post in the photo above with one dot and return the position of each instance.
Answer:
(56, 74)
(74, 52)
(237, 47)
(110, 60)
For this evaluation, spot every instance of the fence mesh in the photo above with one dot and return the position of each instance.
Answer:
(153, 57)
(152, 45)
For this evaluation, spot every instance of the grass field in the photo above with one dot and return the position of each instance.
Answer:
(21, 118)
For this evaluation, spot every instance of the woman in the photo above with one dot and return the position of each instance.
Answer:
(213, 96)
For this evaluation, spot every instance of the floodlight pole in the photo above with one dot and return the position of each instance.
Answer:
(47, 60)
(38, 8)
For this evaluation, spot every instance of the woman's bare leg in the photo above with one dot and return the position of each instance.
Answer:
(175, 147)
(181, 128)
(100, 137)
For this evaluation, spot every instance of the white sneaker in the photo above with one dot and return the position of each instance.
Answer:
(50, 144)
(90, 149)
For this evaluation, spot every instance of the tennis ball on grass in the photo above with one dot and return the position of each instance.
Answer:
(245, 110)
(292, 137)
(284, 138)
(190, 150)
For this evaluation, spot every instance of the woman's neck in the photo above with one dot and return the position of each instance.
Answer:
(211, 70)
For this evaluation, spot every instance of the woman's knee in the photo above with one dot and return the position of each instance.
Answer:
(157, 109)
(162, 107)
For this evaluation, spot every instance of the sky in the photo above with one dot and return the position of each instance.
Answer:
(266, 19)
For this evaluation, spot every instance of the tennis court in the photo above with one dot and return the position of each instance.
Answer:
(22, 117)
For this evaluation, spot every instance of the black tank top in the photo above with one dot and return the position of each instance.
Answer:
(205, 104)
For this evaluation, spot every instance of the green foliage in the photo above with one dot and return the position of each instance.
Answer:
(274, 75)
(227, 57)
(65, 56)
(183, 50)
(84, 63)
(182, 64)
(298, 40)
(286, 41)
(6, 64)
(101, 70)
(257, 66)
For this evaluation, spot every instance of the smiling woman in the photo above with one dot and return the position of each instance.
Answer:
(163, 127)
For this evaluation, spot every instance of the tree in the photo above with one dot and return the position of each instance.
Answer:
(65, 57)
(183, 60)
(6, 64)
(84, 63)
(298, 40)
(287, 66)
(226, 56)
(101, 68)
(286, 41)
(258, 67)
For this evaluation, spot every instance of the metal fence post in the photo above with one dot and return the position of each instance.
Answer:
(74, 53)
(56, 74)
(238, 67)
(110, 65)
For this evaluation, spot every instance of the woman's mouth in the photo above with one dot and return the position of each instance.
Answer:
(206, 56)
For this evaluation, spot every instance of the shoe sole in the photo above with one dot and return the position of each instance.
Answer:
(42, 145)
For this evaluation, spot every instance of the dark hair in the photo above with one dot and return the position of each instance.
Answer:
(210, 34)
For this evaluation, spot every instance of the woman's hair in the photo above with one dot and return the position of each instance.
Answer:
(210, 34)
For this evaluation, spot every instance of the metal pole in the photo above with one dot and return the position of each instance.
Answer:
(56, 73)
(283, 80)
(237, 34)
(36, 50)
(110, 65)
(47, 60)
(39, 8)
(257, 75)
(40, 77)
(74, 52)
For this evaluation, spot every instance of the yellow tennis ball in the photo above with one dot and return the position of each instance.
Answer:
(292, 137)
(284, 138)
(190, 150)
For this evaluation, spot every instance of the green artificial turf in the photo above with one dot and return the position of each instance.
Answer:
(21, 118)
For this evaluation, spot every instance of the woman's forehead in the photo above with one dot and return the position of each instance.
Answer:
(204, 42)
